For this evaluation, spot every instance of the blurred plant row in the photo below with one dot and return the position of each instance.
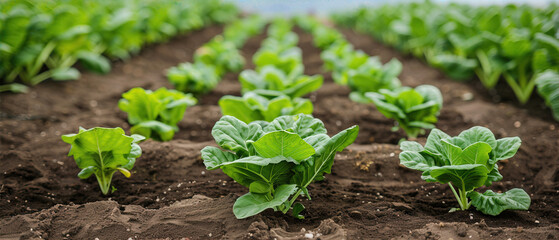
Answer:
(216, 58)
(516, 43)
(42, 40)
(370, 81)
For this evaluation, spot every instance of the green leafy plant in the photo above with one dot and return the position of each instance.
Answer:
(276, 161)
(44, 40)
(155, 114)
(371, 76)
(466, 162)
(413, 109)
(263, 105)
(271, 78)
(548, 88)
(196, 78)
(222, 54)
(103, 151)
(289, 61)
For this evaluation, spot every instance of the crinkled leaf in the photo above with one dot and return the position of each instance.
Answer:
(469, 176)
(251, 204)
(283, 143)
(492, 203)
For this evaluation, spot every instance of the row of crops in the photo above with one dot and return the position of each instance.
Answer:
(40, 40)
(269, 142)
(515, 44)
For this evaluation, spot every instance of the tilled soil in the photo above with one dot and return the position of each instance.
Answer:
(171, 195)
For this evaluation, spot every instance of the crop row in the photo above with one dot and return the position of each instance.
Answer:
(272, 146)
(40, 40)
(515, 43)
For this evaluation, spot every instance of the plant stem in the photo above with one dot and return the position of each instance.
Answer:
(104, 179)
(458, 197)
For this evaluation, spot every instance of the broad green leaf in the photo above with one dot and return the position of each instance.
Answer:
(154, 129)
(65, 74)
(434, 141)
(283, 143)
(474, 135)
(492, 203)
(232, 134)
(214, 157)
(235, 106)
(101, 151)
(469, 176)
(477, 153)
(506, 148)
(94, 62)
(251, 204)
(416, 161)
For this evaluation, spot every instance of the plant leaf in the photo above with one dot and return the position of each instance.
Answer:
(492, 203)
(283, 143)
(251, 204)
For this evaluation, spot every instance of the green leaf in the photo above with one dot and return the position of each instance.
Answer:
(283, 143)
(297, 209)
(232, 134)
(506, 148)
(314, 168)
(14, 87)
(94, 62)
(477, 153)
(492, 203)
(260, 187)
(251, 204)
(467, 176)
(65, 74)
(548, 88)
(154, 129)
(474, 135)
(214, 157)
(101, 151)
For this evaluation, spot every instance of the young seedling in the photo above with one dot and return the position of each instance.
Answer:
(263, 105)
(196, 78)
(272, 78)
(103, 151)
(467, 162)
(413, 109)
(372, 76)
(276, 161)
(155, 114)
(222, 54)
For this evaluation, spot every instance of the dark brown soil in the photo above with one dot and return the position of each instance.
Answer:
(171, 195)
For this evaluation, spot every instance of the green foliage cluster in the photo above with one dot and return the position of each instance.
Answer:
(414, 109)
(215, 58)
(466, 162)
(264, 105)
(103, 151)
(276, 160)
(515, 43)
(155, 114)
(370, 81)
(274, 88)
(42, 40)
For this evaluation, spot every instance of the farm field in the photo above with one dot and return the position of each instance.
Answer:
(368, 195)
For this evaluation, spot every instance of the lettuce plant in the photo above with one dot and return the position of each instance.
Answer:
(193, 78)
(155, 114)
(413, 109)
(548, 88)
(222, 54)
(263, 105)
(103, 151)
(241, 30)
(276, 161)
(371, 76)
(289, 61)
(271, 78)
(466, 162)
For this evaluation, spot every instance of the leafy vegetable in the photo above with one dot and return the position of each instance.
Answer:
(44, 40)
(222, 54)
(263, 105)
(516, 43)
(289, 61)
(155, 114)
(193, 78)
(548, 88)
(103, 151)
(413, 109)
(467, 162)
(271, 78)
(372, 76)
(276, 160)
